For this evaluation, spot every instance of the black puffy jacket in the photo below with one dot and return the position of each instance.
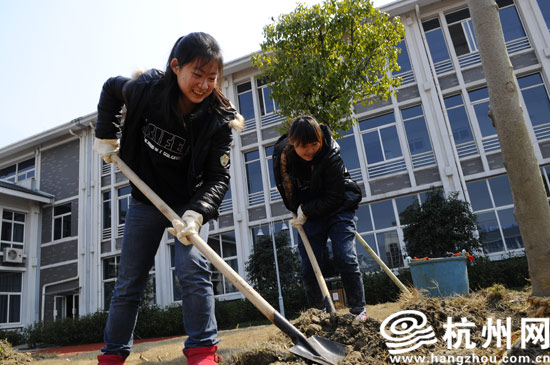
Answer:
(327, 190)
(205, 175)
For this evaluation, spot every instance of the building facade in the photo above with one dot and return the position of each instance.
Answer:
(63, 209)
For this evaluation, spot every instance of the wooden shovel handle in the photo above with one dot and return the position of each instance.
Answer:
(316, 269)
(263, 306)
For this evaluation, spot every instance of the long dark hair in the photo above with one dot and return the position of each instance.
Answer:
(194, 46)
(305, 129)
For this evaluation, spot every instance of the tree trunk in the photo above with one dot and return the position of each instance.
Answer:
(531, 207)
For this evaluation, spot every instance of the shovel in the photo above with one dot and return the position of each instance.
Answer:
(329, 305)
(316, 349)
(382, 264)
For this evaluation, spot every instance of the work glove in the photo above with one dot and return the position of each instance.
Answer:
(189, 224)
(300, 219)
(106, 148)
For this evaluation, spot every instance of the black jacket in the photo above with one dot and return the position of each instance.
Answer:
(323, 186)
(200, 180)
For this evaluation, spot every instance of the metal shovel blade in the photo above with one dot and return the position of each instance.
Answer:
(329, 352)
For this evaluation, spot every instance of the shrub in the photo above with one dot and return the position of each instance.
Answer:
(440, 226)
(379, 288)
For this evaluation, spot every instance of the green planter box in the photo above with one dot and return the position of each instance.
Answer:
(441, 277)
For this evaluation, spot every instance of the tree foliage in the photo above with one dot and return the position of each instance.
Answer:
(440, 226)
(263, 277)
(325, 59)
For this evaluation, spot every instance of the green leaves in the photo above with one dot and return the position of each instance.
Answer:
(440, 226)
(325, 59)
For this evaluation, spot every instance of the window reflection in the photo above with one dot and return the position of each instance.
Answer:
(489, 232)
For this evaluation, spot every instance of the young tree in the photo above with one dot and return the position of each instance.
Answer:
(325, 59)
(440, 226)
(530, 203)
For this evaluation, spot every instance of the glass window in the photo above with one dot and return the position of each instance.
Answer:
(226, 247)
(480, 101)
(536, 99)
(269, 157)
(544, 6)
(510, 229)
(511, 24)
(489, 232)
(110, 272)
(267, 104)
(62, 221)
(13, 229)
(501, 190)
(479, 195)
(462, 32)
(10, 297)
(404, 202)
(365, 259)
(417, 132)
(389, 249)
(383, 214)
(253, 172)
(403, 58)
(106, 210)
(364, 223)
(348, 152)
(436, 41)
(19, 171)
(123, 197)
(458, 118)
(382, 143)
(246, 102)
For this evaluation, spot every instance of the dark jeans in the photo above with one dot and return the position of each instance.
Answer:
(143, 231)
(340, 228)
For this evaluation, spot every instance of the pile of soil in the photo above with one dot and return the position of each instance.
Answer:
(10, 356)
(365, 345)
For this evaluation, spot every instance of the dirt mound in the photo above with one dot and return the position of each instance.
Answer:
(365, 344)
(10, 356)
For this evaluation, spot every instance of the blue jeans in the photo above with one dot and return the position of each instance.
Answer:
(143, 231)
(340, 228)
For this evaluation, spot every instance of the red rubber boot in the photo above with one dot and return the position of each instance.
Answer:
(202, 355)
(110, 360)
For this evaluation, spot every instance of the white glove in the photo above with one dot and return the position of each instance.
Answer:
(300, 219)
(189, 224)
(106, 148)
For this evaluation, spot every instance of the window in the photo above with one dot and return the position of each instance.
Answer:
(480, 101)
(418, 137)
(123, 199)
(377, 224)
(10, 297)
(65, 306)
(226, 247)
(274, 193)
(511, 24)
(404, 62)
(227, 202)
(106, 215)
(462, 32)
(110, 272)
(380, 138)
(246, 102)
(492, 202)
(460, 126)
(348, 152)
(544, 6)
(267, 104)
(537, 103)
(382, 145)
(62, 221)
(18, 172)
(254, 177)
(13, 229)
(437, 45)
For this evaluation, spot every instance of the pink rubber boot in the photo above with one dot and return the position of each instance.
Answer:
(202, 355)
